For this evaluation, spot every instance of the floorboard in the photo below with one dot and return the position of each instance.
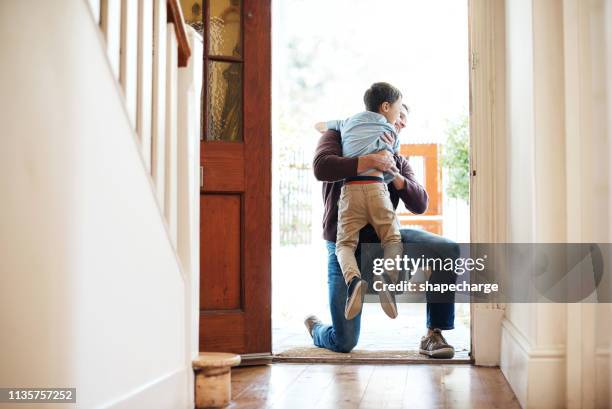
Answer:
(326, 386)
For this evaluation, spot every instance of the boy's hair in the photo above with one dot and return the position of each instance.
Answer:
(378, 93)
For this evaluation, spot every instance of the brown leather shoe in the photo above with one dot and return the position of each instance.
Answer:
(310, 322)
(435, 346)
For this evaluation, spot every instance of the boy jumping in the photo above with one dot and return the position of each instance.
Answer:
(364, 199)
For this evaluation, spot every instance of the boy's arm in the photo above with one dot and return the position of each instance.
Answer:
(334, 125)
(328, 164)
(391, 138)
(321, 127)
(396, 143)
(389, 141)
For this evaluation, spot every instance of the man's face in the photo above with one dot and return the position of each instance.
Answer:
(401, 121)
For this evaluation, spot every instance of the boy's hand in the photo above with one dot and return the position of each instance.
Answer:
(321, 127)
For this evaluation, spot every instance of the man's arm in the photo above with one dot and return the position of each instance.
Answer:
(330, 166)
(328, 163)
(410, 191)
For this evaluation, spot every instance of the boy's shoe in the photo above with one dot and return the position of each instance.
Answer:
(387, 299)
(354, 297)
(435, 346)
(310, 323)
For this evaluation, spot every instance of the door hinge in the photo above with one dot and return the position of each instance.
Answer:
(201, 176)
(474, 60)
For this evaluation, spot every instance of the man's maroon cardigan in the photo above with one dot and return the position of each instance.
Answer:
(331, 168)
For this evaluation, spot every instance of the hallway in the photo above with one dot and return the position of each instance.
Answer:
(370, 386)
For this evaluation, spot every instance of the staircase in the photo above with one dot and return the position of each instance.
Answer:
(149, 48)
(99, 167)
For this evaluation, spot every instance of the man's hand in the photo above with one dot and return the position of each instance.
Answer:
(399, 181)
(387, 138)
(382, 161)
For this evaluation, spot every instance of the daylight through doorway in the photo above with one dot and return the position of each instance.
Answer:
(325, 55)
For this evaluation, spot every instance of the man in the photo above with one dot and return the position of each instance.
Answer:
(331, 168)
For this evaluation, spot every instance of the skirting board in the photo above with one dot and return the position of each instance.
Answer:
(603, 367)
(168, 391)
(536, 375)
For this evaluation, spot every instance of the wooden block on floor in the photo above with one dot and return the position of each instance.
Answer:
(213, 386)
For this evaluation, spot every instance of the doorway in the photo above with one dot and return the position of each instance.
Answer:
(324, 57)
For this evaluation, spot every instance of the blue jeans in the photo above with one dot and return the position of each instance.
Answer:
(342, 335)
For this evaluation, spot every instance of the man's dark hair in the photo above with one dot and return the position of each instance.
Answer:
(379, 93)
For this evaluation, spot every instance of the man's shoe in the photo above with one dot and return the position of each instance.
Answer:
(387, 298)
(354, 297)
(435, 346)
(310, 323)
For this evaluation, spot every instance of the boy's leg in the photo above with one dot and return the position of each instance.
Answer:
(351, 219)
(343, 334)
(382, 217)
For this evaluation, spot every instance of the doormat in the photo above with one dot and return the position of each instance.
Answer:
(322, 355)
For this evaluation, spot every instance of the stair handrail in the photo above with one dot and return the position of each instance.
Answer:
(175, 16)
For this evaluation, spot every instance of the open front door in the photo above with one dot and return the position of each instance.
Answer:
(235, 230)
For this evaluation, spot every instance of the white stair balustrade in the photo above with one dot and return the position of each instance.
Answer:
(147, 43)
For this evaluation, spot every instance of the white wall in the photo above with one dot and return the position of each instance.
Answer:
(520, 134)
(559, 141)
(530, 331)
(92, 295)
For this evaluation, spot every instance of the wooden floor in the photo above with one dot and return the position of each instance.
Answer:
(295, 386)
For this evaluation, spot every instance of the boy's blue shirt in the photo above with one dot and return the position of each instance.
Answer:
(361, 135)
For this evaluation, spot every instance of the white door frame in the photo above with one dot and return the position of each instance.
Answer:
(488, 147)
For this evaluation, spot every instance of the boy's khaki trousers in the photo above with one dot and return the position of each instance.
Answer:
(359, 205)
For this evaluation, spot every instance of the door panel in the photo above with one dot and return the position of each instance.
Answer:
(223, 332)
(220, 253)
(221, 169)
(235, 268)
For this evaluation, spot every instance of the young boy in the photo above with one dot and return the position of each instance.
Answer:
(365, 198)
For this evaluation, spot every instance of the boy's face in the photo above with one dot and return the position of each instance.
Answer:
(391, 111)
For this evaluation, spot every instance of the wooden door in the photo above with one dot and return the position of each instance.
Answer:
(235, 229)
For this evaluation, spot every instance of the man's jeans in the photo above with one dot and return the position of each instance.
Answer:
(342, 335)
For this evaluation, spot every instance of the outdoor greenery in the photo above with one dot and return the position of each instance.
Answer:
(457, 160)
